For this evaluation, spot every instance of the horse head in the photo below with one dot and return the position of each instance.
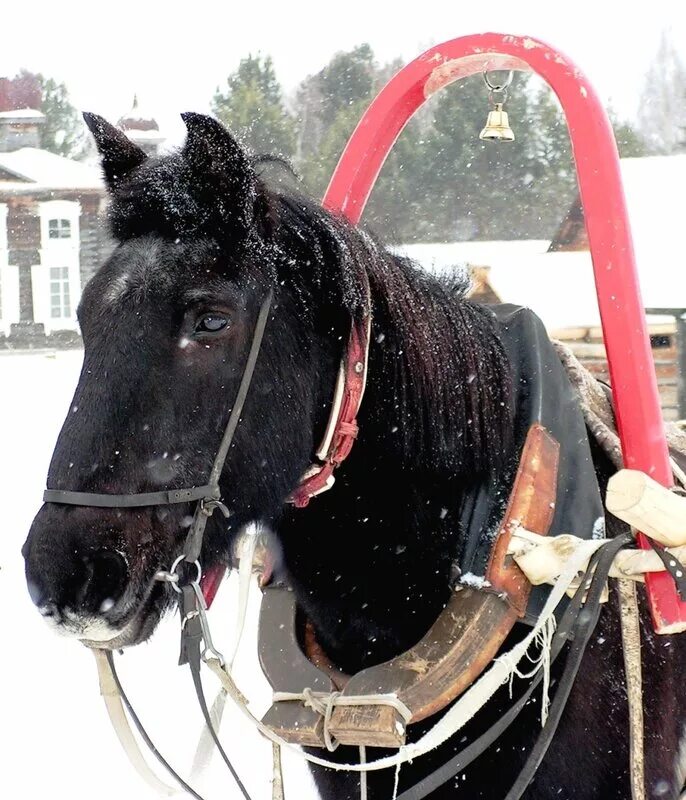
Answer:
(167, 323)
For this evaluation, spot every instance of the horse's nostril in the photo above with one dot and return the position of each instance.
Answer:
(105, 581)
(37, 593)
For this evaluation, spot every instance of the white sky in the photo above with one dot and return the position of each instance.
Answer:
(174, 54)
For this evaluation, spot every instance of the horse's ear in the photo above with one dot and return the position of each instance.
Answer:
(216, 156)
(118, 153)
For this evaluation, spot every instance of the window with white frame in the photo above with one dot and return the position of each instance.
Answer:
(59, 229)
(60, 304)
(56, 279)
(60, 223)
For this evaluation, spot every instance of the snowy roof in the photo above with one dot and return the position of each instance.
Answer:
(137, 119)
(39, 169)
(559, 286)
(144, 136)
(22, 113)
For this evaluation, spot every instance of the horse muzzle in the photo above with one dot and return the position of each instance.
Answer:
(80, 579)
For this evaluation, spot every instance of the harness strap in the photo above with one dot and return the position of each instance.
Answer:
(192, 652)
(585, 626)
(194, 538)
(631, 646)
(568, 628)
(144, 735)
(341, 430)
(115, 710)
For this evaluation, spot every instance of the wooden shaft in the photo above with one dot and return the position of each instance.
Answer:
(542, 559)
(638, 500)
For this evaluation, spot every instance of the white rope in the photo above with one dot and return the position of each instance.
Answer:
(363, 775)
(545, 641)
(396, 780)
(466, 706)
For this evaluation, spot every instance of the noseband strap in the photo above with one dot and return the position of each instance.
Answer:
(210, 492)
(167, 497)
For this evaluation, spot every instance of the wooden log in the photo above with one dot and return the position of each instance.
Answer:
(651, 508)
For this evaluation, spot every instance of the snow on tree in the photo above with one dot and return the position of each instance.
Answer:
(63, 131)
(662, 111)
(251, 104)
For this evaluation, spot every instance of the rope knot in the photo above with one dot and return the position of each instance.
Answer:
(323, 704)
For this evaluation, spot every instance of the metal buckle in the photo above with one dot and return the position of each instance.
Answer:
(209, 505)
(172, 576)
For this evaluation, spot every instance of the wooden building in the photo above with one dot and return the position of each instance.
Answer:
(50, 239)
(653, 194)
(52, 232)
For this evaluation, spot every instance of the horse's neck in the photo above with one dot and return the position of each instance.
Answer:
(371, 558)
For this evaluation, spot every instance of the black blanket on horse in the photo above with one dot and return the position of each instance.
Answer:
(544, 395)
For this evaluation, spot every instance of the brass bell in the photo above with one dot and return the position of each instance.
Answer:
(497, 126)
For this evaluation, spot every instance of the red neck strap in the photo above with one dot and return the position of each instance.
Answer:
(341, 430)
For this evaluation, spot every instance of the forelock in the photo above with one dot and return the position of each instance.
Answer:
(159, 197)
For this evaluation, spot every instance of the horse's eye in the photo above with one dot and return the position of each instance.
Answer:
(211, 323)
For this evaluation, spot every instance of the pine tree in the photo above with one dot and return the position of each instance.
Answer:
(252, 106)
(630, 142)
(661, 117)
(328, 106)
(62, 132)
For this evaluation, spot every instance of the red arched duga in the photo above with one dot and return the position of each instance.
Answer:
(597, 162)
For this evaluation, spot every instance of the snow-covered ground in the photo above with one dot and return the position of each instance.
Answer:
(55, 738)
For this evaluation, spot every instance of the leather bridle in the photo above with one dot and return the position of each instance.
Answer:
(339, 436)
(207, 497)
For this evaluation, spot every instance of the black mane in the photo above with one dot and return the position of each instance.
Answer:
(438, 371)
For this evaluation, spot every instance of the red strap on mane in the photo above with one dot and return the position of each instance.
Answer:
(319, 477)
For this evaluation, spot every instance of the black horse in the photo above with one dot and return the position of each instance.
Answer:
(167, 323)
